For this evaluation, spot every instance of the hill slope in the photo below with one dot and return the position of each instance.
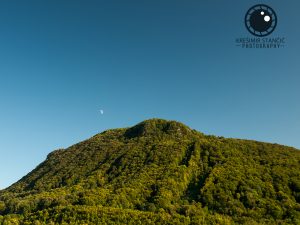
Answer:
(159, 172)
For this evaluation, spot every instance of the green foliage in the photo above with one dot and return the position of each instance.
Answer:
(159, 172)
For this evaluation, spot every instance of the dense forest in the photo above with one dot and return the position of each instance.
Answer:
(159, 172)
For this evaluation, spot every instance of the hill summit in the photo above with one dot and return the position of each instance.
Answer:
(157, 127)
(159, 172)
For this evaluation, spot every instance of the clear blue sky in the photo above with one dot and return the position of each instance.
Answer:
(64, 61)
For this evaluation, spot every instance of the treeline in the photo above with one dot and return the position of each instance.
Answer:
(159, 172)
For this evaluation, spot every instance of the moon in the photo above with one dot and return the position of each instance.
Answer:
(101, 111)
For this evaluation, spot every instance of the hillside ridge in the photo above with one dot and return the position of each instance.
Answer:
(159, 172)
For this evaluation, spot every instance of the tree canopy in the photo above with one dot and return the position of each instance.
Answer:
(159, 172)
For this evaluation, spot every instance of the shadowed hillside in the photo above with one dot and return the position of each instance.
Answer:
(159, 172)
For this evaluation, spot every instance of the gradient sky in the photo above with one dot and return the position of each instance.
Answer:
(64, 61)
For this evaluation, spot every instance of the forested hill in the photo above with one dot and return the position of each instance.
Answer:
(159, 172)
